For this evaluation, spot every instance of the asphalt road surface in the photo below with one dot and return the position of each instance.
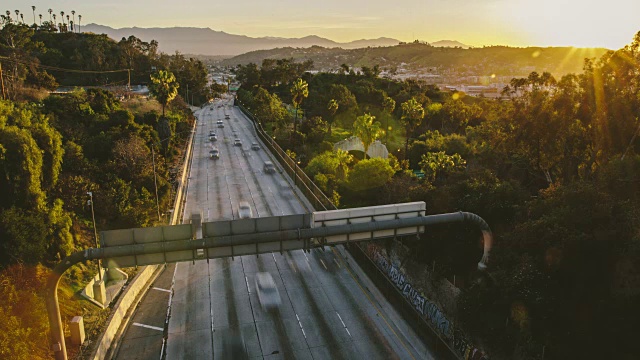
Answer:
(329, 310)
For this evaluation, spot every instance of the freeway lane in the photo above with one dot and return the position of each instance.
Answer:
(330, 309)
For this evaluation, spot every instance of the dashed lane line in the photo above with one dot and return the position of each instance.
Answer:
(149, 326)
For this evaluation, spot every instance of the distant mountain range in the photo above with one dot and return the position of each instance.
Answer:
(204, 41)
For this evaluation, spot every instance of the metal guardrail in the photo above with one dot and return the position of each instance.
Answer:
(314, 194)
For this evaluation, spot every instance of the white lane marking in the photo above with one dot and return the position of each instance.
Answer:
(274, 257)
(323, 264)
(148, 326)
(336, 261)
(301, 328)
(343, 324)
(247, 281)
(161, 289)
(305, 255)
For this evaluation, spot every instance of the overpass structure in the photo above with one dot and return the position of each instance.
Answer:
(331, 310)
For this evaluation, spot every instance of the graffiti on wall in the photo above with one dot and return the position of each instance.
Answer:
(428, 309)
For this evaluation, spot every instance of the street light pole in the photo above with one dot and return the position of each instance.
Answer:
(95, 232)
(155, 181)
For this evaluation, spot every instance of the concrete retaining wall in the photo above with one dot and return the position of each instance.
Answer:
(120, 310)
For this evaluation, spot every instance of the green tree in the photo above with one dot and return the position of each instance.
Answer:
(164, 87)
(299, 91)
(367, 129)
(439, 164)
(412, 115)
(370, 174)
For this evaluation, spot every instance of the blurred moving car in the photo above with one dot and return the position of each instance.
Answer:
(244, 210)
(255, 146)
(213, 137)
(237, 142)
(220, 123)
(269, 168)
(214, 154)
(267, 291)
(285, 190)
(233, 348)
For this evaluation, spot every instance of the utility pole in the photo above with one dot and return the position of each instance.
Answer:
(4, 96)
(95, 232)
(155, 182)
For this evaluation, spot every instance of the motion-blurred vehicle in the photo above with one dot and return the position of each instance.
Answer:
(214, 154)
(255, 146)
(213, 137)
(226, 116)
(285, 189)
(233, 348)
(237, 142)
(267, 291)
(269, 168)
(244, 210)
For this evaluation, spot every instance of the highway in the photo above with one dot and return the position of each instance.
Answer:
(329, 310)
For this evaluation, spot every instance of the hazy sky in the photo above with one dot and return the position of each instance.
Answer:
(585, 23)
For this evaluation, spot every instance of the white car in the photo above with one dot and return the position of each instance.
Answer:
(244, 210)
(267, 291)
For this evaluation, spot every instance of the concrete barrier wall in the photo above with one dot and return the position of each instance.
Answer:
(127, 298)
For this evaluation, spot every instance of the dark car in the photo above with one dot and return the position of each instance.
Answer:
(269, 168)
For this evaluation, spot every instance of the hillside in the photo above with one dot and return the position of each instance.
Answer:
(498, 60)
(205, 41)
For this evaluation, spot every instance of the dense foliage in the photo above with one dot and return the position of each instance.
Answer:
(43, 58)
(56, 148)
(554, 170)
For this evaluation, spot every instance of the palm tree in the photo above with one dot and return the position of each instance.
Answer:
(62, 16)
(367, 130)
(40, 16)
(79, 20)
(333, 108)
(33, 8)
(69, 23)
(73, 12)
(412, 115)
(344, 159)
(50, 11)
(17, 13)
(164, 86)
(22, 17)
(8, 15)
(299, 91)
(388, 105)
